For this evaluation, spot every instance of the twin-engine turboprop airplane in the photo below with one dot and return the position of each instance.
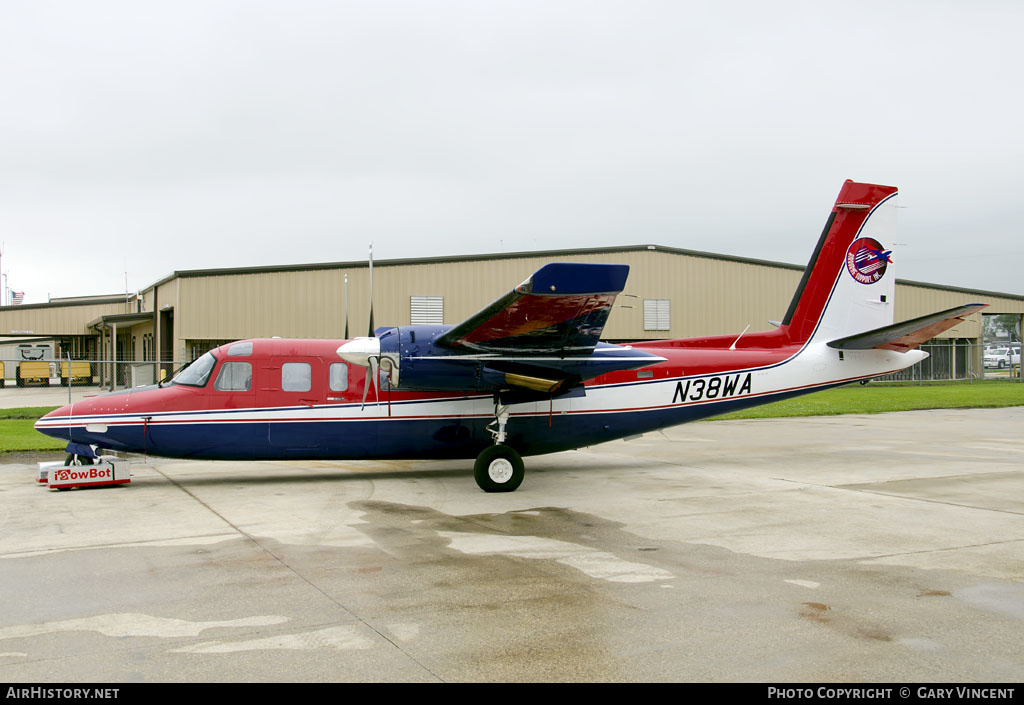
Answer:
(524, 376)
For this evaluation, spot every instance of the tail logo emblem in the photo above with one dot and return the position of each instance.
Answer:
(867, 260)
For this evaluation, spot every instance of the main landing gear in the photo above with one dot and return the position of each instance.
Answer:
(499, 468)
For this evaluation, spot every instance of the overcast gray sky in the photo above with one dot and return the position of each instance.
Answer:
(153, 136)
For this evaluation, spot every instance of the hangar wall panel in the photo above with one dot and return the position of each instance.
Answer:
(708, 296)
(54, 319)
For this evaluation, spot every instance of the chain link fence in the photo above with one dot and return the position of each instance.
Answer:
(106, 374)
(956, 360)
(953, 360)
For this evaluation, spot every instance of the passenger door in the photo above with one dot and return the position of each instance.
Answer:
(297, 385)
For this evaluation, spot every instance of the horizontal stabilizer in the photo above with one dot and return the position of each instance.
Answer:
(560, 310)
(908, 334)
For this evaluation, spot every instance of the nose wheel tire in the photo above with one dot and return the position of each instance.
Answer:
(499, 468)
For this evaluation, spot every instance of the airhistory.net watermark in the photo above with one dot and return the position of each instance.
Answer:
(41, 693)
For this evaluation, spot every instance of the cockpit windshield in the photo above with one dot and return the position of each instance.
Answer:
(198, 373)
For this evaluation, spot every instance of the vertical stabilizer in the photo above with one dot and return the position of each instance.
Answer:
(849, 283)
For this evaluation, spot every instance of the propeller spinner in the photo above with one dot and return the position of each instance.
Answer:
(365, 352)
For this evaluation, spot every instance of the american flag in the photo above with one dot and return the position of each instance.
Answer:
(17, 297)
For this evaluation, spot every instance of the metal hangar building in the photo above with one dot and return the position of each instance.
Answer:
(670, 293)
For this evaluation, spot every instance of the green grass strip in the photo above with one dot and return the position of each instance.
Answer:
(18, 435)
(26, 412)
(876, 398)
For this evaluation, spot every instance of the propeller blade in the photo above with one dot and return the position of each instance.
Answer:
(375, 371)
(371, 374)
(371, 289)
(366, 388)
(364, 352)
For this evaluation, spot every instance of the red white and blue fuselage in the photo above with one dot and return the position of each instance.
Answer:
(201, 422)
(534, 354)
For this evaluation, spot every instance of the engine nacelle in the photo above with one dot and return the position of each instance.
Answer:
(413, 361)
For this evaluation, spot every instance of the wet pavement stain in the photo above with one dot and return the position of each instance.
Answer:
(815, 611)
(857, 627)
(520, 596)
(537, 533)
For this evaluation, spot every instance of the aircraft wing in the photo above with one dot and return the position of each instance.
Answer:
(541, 337)
(560, 310)
(908, 334)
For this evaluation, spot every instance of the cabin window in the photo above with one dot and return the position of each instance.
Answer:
(240, 349)
(657, 314)
(234, 377)
(339, 376)
(296, 377)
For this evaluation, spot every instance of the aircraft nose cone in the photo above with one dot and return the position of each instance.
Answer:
(54, 424)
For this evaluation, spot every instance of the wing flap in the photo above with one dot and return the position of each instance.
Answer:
(907, 335)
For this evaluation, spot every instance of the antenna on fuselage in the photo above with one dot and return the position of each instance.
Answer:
(733, 346)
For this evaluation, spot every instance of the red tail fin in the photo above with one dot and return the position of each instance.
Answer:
(820, 304)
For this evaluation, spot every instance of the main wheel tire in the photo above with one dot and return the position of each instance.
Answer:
(499, 468)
